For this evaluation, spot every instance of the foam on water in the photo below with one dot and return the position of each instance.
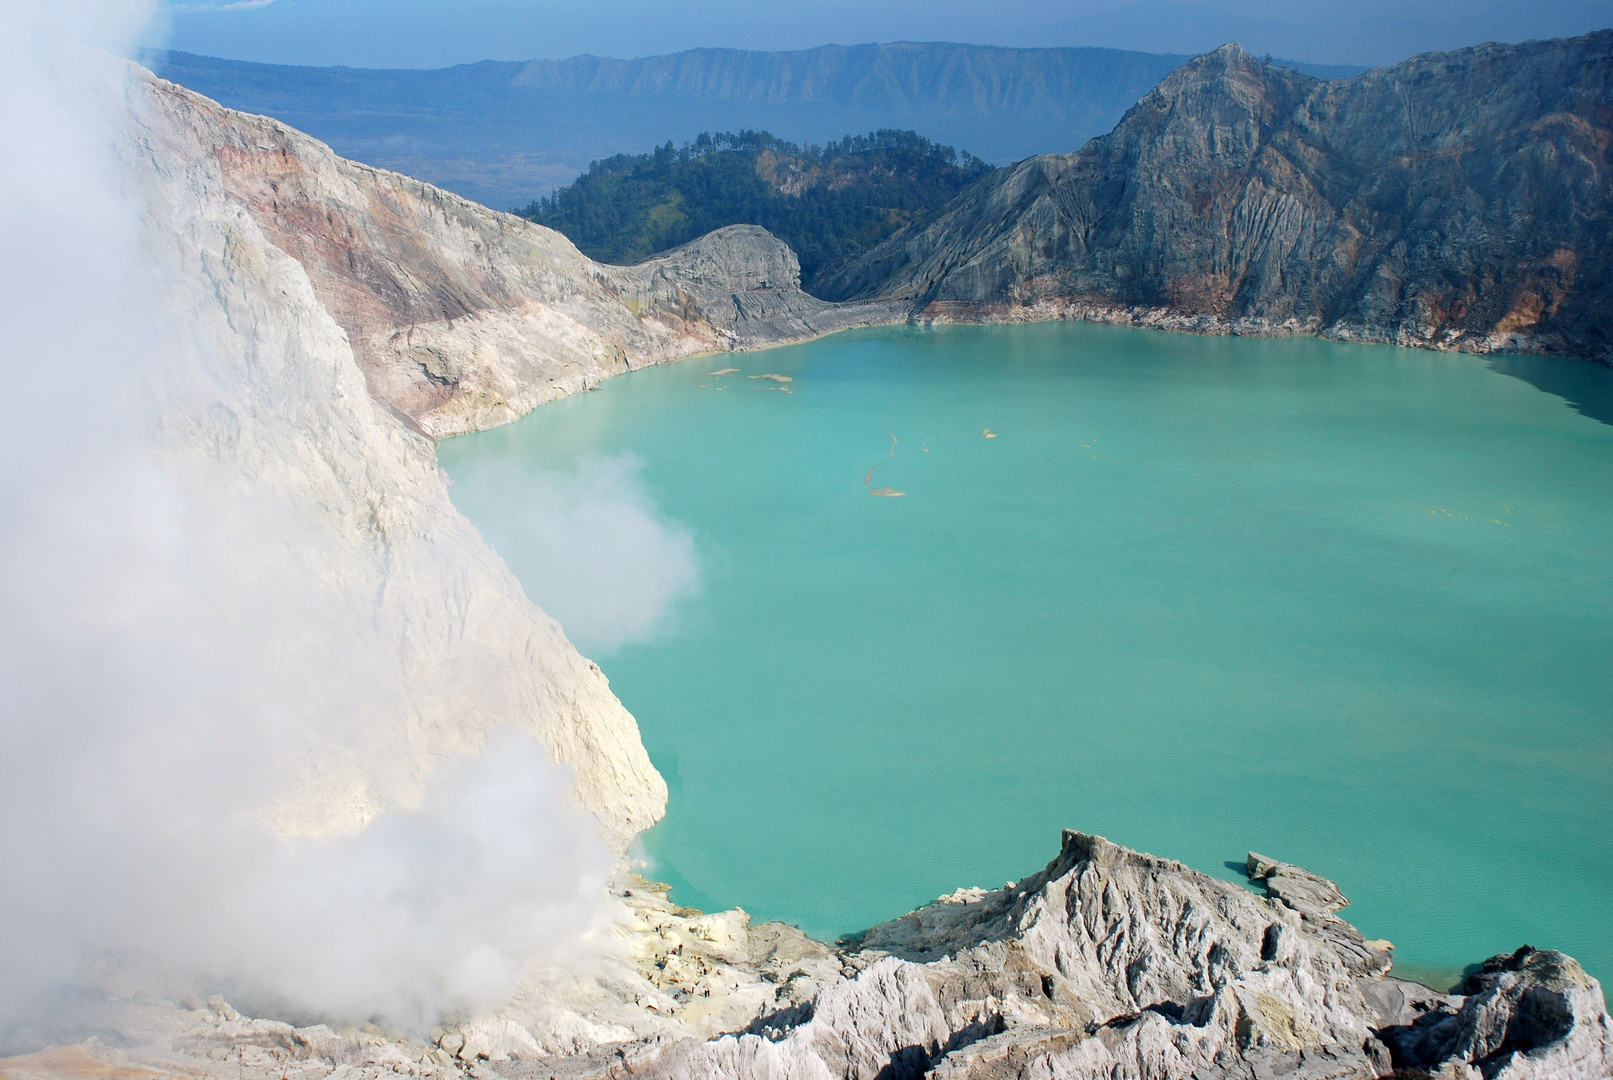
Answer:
(1348, 606)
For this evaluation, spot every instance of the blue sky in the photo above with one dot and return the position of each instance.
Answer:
(435, 33)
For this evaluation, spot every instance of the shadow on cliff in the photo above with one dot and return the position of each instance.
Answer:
(1586, 386)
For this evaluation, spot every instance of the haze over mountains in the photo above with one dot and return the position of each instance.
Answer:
(506, 133)
(413, 33)
(1357, 33)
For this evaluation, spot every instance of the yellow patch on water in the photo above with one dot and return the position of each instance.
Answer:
(725, 371)
(889, 493)
(988, 433)
(775, 378)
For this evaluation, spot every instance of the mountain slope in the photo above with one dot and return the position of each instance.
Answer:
(506, 133)
(828, 203)
(1457, 200)
(462, 318)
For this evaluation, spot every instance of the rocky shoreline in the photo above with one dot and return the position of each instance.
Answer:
(1096, 309)
(1106, 963)
(1458, 201)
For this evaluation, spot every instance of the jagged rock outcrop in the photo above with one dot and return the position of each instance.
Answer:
(1318, 902)
(1459, 200)
(1107, 963)
(1532, 1014)
(1111, 963)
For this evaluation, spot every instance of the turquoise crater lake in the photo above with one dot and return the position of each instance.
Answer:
(1348, 606)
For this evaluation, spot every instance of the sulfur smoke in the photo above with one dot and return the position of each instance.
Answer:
(173, 657)
(589, 545)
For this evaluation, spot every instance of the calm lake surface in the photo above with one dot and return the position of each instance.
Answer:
(1348, 606)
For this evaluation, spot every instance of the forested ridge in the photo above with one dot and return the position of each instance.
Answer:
(830, 203)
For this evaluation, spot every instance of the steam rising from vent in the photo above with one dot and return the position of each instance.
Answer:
(589, 545)
(194, 686)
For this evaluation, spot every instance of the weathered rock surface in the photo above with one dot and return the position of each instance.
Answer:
(1530, 1014)
(462, 318)
(1111, 963)
(361, 309)
(1107, 963)
(1458, 200)
(281, 414)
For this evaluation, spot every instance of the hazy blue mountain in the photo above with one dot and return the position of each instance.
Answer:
(1344, 32)
(422, 33)
(504, 133)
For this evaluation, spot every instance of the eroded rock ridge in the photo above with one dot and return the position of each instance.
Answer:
(462, 318)
(1459, 200)
(1107, 963)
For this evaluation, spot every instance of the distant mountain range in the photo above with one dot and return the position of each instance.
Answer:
(390, 33)
(1372, 34)
(506, 133)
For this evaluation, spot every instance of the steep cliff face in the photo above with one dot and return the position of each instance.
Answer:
(1458, 200)
(281, 415)
(353, 312)
(462, 318)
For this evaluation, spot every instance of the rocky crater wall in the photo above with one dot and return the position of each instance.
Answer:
(462, 318)
(1458, 200)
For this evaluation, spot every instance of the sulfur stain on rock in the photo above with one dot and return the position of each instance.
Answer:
(1274, 1022)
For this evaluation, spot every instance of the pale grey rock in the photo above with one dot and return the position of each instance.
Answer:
(279, 414)
(1298, 888)
(1318, 901)
(1114, 964)
(1531, 1014)
(463, 318)
(746, 284)
(1107, 964)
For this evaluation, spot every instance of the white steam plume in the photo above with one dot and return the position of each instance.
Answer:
(175, 656)
(589, 545)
